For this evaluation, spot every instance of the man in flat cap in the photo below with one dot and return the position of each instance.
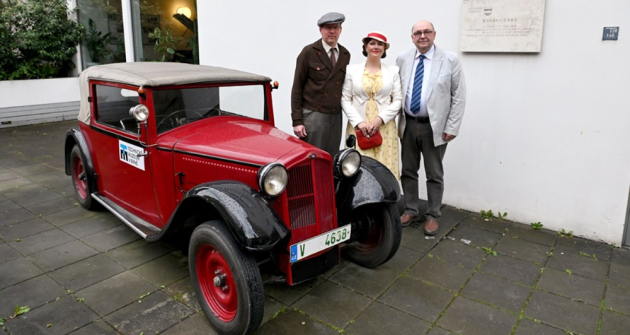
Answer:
(316, 93)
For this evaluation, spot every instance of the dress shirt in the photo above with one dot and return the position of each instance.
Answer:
(328, 48)
(428, 58)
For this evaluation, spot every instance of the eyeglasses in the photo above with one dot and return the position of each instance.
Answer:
(425, 33)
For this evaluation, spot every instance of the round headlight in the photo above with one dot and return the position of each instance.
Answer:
(140, 112)
(349, 162)
(272, 179)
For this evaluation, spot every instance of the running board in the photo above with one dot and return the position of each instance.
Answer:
(143, 228)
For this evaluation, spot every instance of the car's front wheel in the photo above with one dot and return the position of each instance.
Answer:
(80, 179)
(227, 280)
(376, 234)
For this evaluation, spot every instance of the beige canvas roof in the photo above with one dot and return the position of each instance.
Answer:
(152, 74)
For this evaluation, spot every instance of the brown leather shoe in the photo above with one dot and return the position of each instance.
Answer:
(431, 227)
(406, 219)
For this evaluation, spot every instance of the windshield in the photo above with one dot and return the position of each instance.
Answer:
(176, 107)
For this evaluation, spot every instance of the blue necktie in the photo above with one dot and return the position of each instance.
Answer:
(417, 87)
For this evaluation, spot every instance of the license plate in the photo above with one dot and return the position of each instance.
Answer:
(318, 243)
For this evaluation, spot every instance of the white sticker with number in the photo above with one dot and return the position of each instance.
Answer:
(318, 243)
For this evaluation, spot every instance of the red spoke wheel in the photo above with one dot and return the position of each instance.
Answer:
(226, 279)
(377, 232)
(80, 178)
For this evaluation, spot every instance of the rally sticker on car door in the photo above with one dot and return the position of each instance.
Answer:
(131, 154)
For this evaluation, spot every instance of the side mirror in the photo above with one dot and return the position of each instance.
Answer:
(351, 141)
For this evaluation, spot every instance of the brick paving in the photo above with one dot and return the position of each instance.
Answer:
(83, 272)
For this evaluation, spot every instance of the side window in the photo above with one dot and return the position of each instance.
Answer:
(112, 107)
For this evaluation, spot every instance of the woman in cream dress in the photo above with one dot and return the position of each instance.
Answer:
(371, 100)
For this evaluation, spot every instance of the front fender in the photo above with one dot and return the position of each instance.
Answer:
(374, 183)
(253, 223)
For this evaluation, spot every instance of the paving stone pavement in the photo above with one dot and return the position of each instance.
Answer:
(83, 272)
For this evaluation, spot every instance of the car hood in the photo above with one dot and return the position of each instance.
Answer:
(240, 139)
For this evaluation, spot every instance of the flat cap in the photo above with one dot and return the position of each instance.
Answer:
(331, 17)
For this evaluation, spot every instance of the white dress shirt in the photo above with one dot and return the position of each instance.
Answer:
(328, 48)
(428, 58)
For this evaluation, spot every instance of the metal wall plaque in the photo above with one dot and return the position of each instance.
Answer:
(610, 33)
(502, 25)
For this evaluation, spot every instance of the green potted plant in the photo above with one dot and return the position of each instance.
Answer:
(96, 43)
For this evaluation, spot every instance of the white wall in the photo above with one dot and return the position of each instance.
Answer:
(38, 91)
(546, 136)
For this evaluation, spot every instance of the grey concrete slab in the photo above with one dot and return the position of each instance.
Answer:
(619, 275)
(439, 331)
(619, 256)
(353, 277)
(184, 292)
(164, 270)
(34, 292)
(563, 313)
(288, 295)
(6, 174)
(272, 307)
(497, 292)
(116, 292)
(494, 225)
(14, 183)
(381, 319)
(440, 273)
(16, 271)
(529, 327)
(459, 253)
(618, 298)
(584, 247)
(292, 322)
(86, 272)
(7, 205)
(523, 249)
(402, 260)
(111, 238)
(70, 215)
(138, 252)
(35, 197)
(52, 179)
(194, 325)
(333, 304)
(417, 298)
(62, 255)
(415, 240)
(465, 316)
(7, 253)
(475, 237)
(543, 236)
(16, 216)
(97, 327)
(573, 286)
(26, 171)
(512, 269)
(91, 225)
(41, 241)
(156, 313)
(53, 206)
(584, 266)
(614, 323)
(24, 229)
(75, 315)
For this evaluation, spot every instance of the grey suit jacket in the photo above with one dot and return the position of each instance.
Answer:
(446, 97)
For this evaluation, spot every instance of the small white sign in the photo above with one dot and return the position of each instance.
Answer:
(131, 154)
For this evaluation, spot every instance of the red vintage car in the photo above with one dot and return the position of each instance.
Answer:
(190, 153)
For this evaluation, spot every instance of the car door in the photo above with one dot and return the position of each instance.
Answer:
(121, 158)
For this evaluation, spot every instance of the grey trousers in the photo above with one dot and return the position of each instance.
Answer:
(418, 140)
(323, 130)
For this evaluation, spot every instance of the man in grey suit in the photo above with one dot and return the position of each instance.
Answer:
(434, 96)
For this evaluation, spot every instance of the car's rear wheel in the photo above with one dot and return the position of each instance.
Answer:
(80, 179)
(376, 233)
(227, 280)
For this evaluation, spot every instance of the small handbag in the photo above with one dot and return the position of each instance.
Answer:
(369, 142)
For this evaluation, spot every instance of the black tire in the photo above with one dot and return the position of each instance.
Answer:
(80, 179)
(377, 232)
(227, 280)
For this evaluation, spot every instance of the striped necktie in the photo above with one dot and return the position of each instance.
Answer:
(417, 87)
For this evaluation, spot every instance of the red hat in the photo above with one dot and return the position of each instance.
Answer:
(376, 35)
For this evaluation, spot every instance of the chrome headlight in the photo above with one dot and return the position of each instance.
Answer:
(348, 162)
(272, 179)
(140, 112)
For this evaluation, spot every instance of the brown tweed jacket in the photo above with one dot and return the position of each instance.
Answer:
(316, 85)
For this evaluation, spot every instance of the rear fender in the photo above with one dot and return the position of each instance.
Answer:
(75, 137)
